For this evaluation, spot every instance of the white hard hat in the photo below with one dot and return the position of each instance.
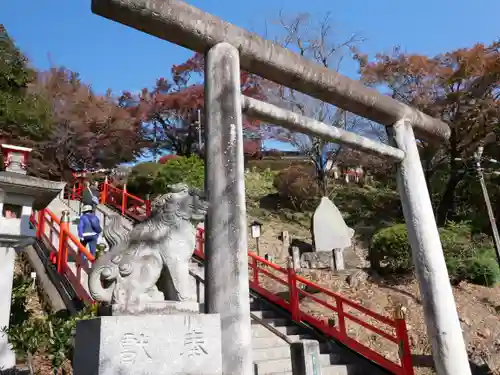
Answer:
(87, 208)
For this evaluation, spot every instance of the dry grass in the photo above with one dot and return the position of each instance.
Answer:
(479, 307)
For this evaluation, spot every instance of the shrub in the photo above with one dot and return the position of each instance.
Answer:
(483, 269)
(48, 336)
(390, 250)
(468, 257)
(367, 206)
(140, 179)
(189, 170)
(458, 247)
(297, 186)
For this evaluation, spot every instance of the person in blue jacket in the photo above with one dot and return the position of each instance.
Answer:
(89, 229)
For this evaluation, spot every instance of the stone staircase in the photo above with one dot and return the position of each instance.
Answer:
(271, 353)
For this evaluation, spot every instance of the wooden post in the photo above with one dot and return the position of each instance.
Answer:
(40, 224)
(255, 269)
(62, 251)
(341, 316)
(296, 258)
(148, 206)
(51, 232)
(403, 342)
(293, 295)
(104, 192)
(124, 199)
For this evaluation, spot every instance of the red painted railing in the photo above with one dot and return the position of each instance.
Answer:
(127, 204)
(294, 289)
(65, 249)
(288, 290)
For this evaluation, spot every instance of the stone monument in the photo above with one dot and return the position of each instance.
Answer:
(19, 194)
(155, 326)
(330, 233)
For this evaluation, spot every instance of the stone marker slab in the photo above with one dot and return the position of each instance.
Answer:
(333, 260)
(316, 260)
(149, 345)
(329, 228)
(305, 357)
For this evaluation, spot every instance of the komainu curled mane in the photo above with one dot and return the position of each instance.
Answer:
(158, 248)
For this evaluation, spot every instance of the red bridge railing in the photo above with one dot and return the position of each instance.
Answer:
(127, 204)
(65, 250)
(290, 291)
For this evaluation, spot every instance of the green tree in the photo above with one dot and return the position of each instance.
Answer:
(141, 178)
(24, 116)
(190, 170)
(462, 88)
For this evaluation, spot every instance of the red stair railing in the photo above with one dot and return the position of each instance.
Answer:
(394, 330)
(127, 204)
(65, 249)
(288, 290)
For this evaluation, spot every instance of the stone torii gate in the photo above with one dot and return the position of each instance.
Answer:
(229, 48)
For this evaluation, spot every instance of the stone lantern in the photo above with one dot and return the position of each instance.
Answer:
(19, 195)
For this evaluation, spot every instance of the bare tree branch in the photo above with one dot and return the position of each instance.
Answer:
(316, 41)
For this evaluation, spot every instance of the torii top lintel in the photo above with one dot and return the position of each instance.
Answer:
(192, 28)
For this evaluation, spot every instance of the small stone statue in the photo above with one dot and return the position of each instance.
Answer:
(151, 263)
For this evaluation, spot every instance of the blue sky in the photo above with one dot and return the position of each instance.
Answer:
(109, 55)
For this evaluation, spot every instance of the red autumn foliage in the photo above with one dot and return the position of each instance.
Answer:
(166, 158)
(88, 131)
(462, 87)
(253, 148)
(169, 111)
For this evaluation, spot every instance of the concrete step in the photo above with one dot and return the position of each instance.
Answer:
(283, 354)
(271, 353)
(329, 370)
(275, 322)
(275, 341)
(267, 314)
(271, 342)
(256, 305)
(259, 330)
(285, 364)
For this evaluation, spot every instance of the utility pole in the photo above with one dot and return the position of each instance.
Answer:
(199, 131)
(479, 170)
(155, 144)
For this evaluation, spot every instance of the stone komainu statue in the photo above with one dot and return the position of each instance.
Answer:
(151, 262)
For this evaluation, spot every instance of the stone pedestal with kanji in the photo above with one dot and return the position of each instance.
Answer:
(179, 343)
